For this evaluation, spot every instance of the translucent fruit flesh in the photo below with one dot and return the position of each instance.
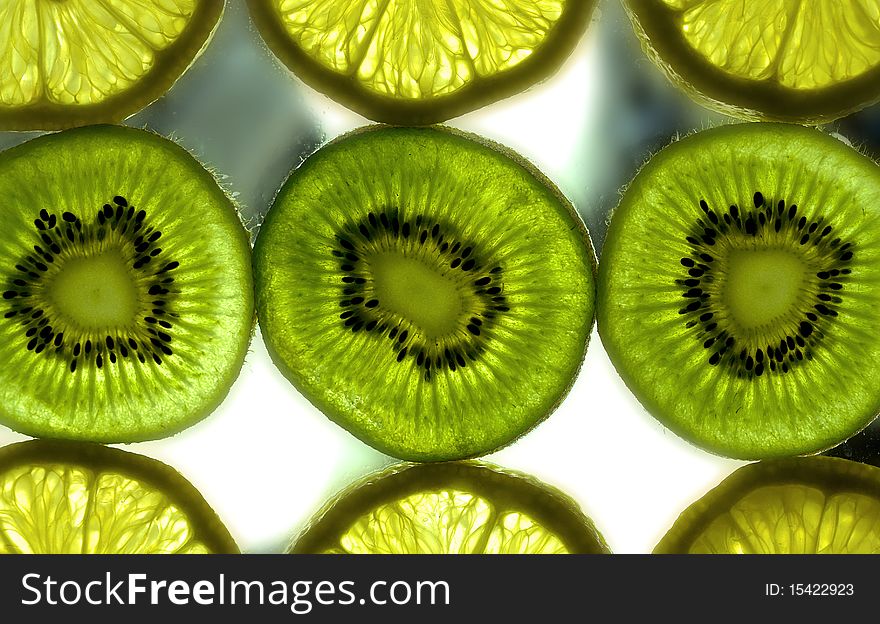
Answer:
(815, 505)
(126, 304)
(455, 508)
(427, 292)
(77, 498)
(415, 62)
(77, 62)
(737, 290)
(781, 59)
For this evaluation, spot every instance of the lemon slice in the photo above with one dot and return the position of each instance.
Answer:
(416, 61)
(791, 60)
(793, 506)
(67, 63)
(73, 497)
(451, 508)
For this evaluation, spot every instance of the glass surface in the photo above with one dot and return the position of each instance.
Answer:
(266, 460)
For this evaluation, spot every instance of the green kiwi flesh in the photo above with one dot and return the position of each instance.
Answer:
(738, 290)
(127, 302)
(428, 292)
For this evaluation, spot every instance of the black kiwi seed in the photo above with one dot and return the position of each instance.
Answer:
(23, 291)
(805, 330)
(364, 310)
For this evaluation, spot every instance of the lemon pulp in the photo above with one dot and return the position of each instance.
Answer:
(78, 498)
(803, 44)
(410, 60)
(795, 60)
(86, 61)
(808, 505)
(450, 508)
(447, 521)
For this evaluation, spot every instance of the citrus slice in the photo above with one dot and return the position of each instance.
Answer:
(813, 505)
(74, 497)
(76, 62)
(415, 62)
(450, 508)
(791, 60)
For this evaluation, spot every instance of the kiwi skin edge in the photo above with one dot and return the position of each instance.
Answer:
(530, 169)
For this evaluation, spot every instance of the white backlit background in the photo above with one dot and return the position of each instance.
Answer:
(266, 460)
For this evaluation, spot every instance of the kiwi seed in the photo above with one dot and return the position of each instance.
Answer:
(789, 343)
(50, 331)
(459, 262)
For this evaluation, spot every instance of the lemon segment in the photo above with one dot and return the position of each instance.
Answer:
(57, 509)
(500, 34)
(73, 62)
(516, 533)
(805, 61)
(415, 49)
(416, 52)
(19, 56)
(447, 522)
(332, 32)
(790, 519)
(450, 508)
(416, 62)
(813, 505)
(83, 51)
(77, 498)
(799, 44)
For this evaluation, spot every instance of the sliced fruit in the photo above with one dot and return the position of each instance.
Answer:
(412, 62)
(792, 506)
(78, 498)
(450, 508)
(429, 293)
(738, 290)
(126, 305)
(77, 62)
(789, 60)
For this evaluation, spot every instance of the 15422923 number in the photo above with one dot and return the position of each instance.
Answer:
(821, 589)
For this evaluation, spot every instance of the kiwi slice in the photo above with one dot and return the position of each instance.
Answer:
(428, 291)
(738, 289)
(450, 508)
(804, 505)
(126, 305)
